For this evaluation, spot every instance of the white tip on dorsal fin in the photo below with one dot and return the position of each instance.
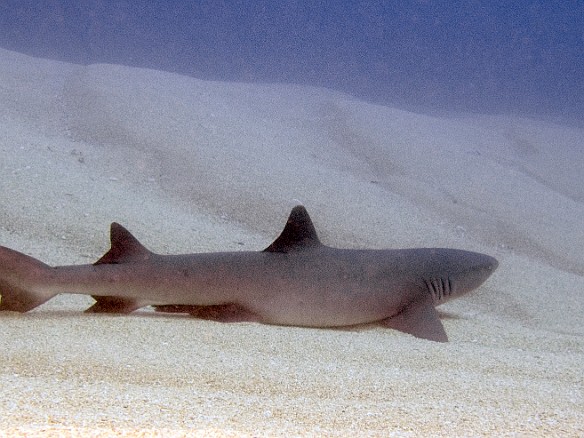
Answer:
(124, 247)
(298, 233)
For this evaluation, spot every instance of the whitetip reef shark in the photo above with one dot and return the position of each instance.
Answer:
(296, 281)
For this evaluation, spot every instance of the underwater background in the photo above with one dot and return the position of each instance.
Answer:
(199, 125)
(486, 56)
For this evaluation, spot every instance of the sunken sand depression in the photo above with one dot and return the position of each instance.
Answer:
(194, 166)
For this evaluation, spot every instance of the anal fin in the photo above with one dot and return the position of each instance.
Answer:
(419, 319)
(113, 305)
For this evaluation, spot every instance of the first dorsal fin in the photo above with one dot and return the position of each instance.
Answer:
(124, 247)
(298, 233)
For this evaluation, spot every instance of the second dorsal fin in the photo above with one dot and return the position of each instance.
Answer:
(299, 233)
(124, 247)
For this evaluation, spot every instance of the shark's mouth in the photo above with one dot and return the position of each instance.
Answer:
(440, 289)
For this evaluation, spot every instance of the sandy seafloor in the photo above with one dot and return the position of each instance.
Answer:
(193, 166)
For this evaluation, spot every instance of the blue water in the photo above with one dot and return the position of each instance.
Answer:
(523, 56)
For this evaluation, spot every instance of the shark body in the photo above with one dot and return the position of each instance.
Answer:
(296, 281)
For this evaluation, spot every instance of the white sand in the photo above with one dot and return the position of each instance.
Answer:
(193, 166)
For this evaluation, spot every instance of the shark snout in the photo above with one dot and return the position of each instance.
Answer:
(474, 270)
(490, 263)
(459, 272)
(484, 266)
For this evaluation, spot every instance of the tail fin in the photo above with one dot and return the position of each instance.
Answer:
(21, 281)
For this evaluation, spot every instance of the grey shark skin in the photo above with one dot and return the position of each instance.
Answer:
(296, 281)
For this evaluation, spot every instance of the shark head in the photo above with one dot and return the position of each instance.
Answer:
(451, 273)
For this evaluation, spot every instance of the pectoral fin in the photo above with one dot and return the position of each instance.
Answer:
(419, 319)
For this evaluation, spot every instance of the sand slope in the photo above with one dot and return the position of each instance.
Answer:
(190, 166)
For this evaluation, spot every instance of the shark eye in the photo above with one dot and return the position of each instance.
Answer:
(439, 288)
